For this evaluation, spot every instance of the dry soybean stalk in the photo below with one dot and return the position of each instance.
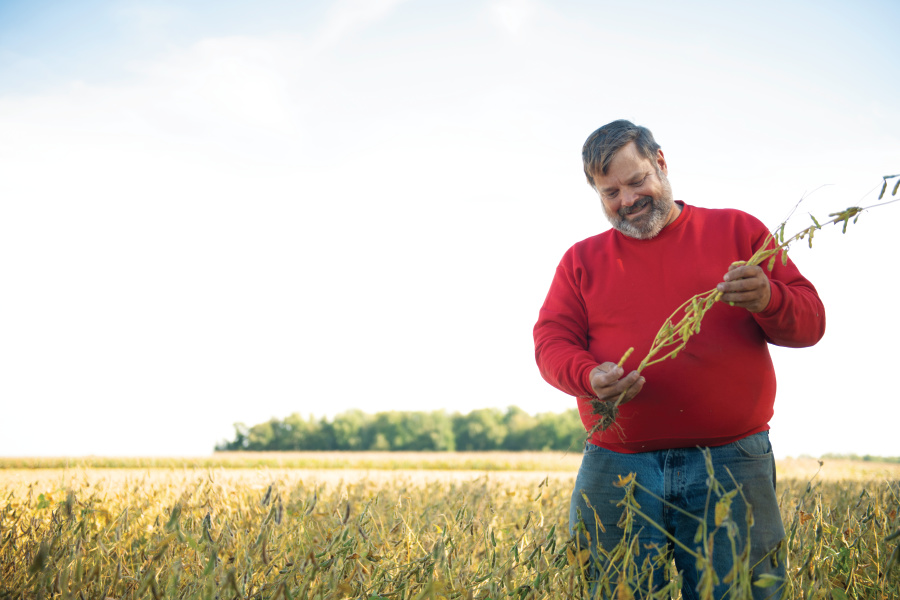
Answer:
(685, 321)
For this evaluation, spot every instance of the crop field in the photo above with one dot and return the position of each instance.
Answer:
(383, 533)
(438, 461)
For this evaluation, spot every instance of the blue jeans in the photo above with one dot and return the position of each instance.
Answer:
(672, 508)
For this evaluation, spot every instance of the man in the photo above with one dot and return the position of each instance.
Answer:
(711, 403)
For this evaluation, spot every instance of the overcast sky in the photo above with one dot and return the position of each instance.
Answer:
(226, 211)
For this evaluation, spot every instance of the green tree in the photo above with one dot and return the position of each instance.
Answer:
(558, 431)
(239, 442)
(261, 435)
(481, 429)
(519, 427)
(350, 430)
(380, 443)
(435, 431)
(299, 433)
(412, 431)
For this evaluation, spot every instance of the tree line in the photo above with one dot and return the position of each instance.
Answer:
(864, 458)
(483, 429)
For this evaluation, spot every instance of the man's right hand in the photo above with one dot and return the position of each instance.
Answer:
(608, 383)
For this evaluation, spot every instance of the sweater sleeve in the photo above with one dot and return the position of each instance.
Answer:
(561, 333)
(795, 315)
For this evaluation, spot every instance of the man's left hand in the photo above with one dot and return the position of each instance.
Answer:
(746, 286)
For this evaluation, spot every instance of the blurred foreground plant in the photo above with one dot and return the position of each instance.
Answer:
(261, 534)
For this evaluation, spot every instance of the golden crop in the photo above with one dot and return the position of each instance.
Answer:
(204, 533)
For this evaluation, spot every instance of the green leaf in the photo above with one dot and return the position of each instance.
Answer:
(838, 594)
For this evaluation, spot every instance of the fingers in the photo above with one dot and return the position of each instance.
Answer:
(746, 286)
(608, 382)
(605, 375)
(632, 385)
(741, 271)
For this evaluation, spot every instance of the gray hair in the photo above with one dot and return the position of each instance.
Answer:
(602, 145)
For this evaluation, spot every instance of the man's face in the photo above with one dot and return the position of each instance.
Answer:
(635, 193)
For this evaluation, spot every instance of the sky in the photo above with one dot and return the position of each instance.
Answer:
(220, 212)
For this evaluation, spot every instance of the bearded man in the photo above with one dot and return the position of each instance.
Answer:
(705, 411)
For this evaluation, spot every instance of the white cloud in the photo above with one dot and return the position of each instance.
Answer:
(513, 15)
(349, 16)
(241, 94)
(238, 80)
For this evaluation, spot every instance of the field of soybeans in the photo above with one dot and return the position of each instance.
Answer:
(387, 526)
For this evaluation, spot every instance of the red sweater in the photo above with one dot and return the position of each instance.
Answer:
(611, 292)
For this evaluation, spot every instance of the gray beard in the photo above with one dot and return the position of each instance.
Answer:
(649, 225)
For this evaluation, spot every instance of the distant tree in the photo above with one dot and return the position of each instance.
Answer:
(299, 433)
(350, 430)
(481, 429)
(437, 432)
(519, 426)
(241, 431)
(285, 435)
(390, 426)
(412, 431)
(380, 443)
(558, 431)
(261, 436)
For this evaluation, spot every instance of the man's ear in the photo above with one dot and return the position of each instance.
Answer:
(661, 162)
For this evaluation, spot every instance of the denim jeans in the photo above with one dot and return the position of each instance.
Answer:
(673, 489)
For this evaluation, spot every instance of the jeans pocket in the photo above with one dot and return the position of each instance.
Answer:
(755, 446)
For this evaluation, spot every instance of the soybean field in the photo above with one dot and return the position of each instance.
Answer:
(379, 532)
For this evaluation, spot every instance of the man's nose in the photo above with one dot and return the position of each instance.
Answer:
(629, 198)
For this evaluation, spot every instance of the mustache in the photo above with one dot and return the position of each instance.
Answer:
(637, 206)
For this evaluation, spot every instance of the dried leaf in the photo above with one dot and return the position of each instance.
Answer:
(622, 482)
(766, 580)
